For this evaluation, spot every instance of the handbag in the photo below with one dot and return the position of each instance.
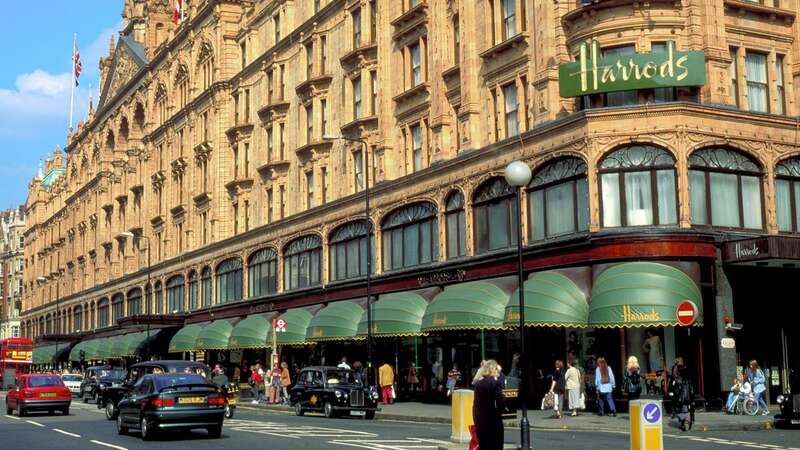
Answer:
(394, 395)
(548, 401)
(473, 441)
(582, 401)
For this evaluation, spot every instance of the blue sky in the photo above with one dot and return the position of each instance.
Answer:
(36, 44)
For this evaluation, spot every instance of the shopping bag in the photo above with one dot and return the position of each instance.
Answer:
(473, 442)
(394, 394)
(548, 401)
(582, 402)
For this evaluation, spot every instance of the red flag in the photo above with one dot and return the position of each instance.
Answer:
(77, 66)
(177, 13)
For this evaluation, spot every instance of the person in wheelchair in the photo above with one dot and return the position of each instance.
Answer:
(740, 390)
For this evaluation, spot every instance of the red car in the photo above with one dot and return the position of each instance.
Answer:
(38, 392)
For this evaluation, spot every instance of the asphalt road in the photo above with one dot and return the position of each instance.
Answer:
(87, 428)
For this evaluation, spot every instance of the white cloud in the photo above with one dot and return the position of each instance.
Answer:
(44, 83)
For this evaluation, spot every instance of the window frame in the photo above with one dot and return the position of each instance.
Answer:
(459, 212)
(510, 198)
(262, 272)
(227, 274)
(335, 242)
(573, 180)
(431, 220)
(297, 255)
(176, 287)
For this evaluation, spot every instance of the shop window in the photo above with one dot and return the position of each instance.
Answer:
(787, 194)
(637, 187)
(175, 294)
(193, 291)
(410, 236)
(348, 250)
(725, 189)
(558, 199)
(118, 307)
(135, 302)
(262, 273)
(757, 90)
(102, 315)
(455, 219)
(229, 280)
(205, 298)
(495, 210)
(302, 263)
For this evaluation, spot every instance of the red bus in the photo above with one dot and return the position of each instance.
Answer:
(16, 357)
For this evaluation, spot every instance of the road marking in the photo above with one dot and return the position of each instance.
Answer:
(104, 444)
(35, 423)
(66, 432)
(294, 432)
(391, 444)
(12, 417)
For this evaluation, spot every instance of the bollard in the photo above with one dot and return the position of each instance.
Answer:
(462, 415)
(647, 417)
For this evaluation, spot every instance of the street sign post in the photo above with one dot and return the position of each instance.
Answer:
(646, 425)
(278, 326)
(686, 313)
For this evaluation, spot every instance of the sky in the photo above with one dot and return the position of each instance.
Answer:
(35, 79)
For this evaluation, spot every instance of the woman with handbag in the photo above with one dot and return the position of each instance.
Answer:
(488, 407)
(604, 380)
(557, 388)
(572, 382)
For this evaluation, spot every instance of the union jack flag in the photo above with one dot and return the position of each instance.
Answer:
(177, 13)
(77, 66)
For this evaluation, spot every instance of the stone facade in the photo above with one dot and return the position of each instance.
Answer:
(209, 141)
(12, 263)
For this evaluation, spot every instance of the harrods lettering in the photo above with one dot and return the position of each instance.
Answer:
(628, 315)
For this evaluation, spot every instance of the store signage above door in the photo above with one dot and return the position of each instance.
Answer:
(593, 73)
(773, 251)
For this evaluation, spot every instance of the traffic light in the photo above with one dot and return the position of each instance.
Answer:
(83, 357)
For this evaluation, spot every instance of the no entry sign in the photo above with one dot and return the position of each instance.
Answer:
(686, 313)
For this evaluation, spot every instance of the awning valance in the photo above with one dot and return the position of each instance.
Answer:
(641, 294)
(185, 340)
(395, 314)
(551, 300)
(252, 332)
(215, 336)
(337, 321)
(297, 321)
(467, 306)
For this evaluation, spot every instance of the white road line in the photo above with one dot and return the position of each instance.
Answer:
(67, 433)
(104, 444)
(12, 417)
(35, 423)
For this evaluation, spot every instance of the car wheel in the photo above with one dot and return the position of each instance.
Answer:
(215, 432)
(370, 415)
(111, 411)
(750, 407)
(65, 411)
(85, 396)
(298, 410)
(9, 411)
(329, 413)
(228, 411)
(21, 411)
(121, 429)
(144, 427)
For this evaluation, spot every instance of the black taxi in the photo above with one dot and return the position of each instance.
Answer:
(789, 403)
(333, 392)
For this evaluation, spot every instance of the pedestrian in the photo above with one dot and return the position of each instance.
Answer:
(411, 377)
(453, 377)
(488, 407)
(758, 382)
(343, 364)
(275, 384)
(255, 381)
(478, 374)
(604, 380)
(632, 380)
(358, 372)
(684, 399)
(386, 381)
(286, 381)
(557, 388)
(674, 378)
(572, 382)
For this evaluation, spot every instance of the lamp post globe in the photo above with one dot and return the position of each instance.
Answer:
(518, 174)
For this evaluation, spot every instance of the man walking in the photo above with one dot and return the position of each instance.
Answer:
(386, 380)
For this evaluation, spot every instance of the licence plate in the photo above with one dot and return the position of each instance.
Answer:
(232, 402)
(47, 395)
(358, 413)
(191, 400)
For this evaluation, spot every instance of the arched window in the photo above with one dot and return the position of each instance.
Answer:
(102, 313)
(48, 324)
(41, 326)
(175, 294)
(182, 86)
(302, 265)
(77, 319)
(495, 209)
(725, 189)
(193, 292)
(558, 199)
(348, 250)
(229, 280)
(787, 194)
(159, 299)
(205, 63)
(455, 219)
(148, 299)
(205, 299)
(117, 307)
(262, 273)
(134, 302)
(637, 187)
(410, 236)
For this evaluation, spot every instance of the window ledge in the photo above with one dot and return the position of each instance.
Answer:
(314, 86)
(517, 41)
(593, 6)
(420, 89)
(410, 20)
(313, 149)
(358, 126)
(240, 130)
(366, 53)
(275, 108)
(241, 183)
(201, 198)
(272, 166)
(773, 13)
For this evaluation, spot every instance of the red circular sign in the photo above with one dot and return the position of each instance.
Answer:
(686, 313)
(281, 323)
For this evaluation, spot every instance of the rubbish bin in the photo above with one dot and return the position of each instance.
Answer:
(462, 415)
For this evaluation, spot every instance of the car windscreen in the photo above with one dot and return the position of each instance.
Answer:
(114, 374)
(71, 377)
(340, 377)
(181, 382)
(44, 381)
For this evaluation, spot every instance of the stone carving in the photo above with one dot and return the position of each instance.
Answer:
(124, 69)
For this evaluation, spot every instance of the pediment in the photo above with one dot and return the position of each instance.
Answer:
(129, 58)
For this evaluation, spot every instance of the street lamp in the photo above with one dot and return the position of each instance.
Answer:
(41, 279)
(518, 175)
(369, 245)
(128, 234)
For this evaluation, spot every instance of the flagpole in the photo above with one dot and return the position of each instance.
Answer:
(72, 90)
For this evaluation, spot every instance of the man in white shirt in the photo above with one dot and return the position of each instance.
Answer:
(343, 364)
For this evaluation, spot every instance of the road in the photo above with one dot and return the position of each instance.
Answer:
(87, 428)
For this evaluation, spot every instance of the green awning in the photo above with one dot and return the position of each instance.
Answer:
(641, 294)
(551, 300)
(136, 341)
(336, 322)
(396, 314)
(75, 353)
(297, 321)
(117, 345)
(215, 336)
(90, 349)
(185, 340)
(467, 306)
(43, 354)
(103, 350)
(252, 332)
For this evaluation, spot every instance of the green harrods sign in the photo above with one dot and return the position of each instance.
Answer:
(593, 73)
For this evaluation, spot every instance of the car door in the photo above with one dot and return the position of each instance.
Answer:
(317, 391)
(13, 394)
(127, 405)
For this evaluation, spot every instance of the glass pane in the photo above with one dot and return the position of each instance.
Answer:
(411, 245)
(294, 272)
(462, 235)
(513, 219)
(724, 200)
(583, 204)
(560, 210)
(638, 199)
(452, 235)
(352, 258)
(667, 210)
(536, 210)
(610, 188)
(482, 228)
(314, 269)
(387, 250)
(697, 197)
(751, 202)
(362, 256)
(397, 248)
(783, 203)
(425, 243)
(498, 225)
(796, 187)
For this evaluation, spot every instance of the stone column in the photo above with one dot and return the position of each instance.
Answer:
(724, 307)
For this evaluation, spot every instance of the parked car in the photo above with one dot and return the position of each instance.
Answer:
(38, 392)
(172, 402)
(789, 403)
(73, 383)
(109, 397)
(332, 391)
(88, 391)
